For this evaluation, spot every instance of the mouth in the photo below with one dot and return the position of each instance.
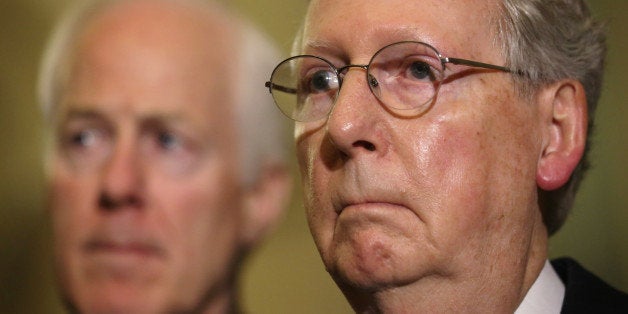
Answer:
(367, 206)
(124, 248)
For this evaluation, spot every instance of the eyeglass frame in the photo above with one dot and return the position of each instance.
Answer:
(443, 60)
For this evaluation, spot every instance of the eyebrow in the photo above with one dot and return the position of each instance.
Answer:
(80, 113)
(86, 112)
(319, 45)
(386, 35)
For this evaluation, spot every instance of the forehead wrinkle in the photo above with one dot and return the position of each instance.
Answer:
(81, 112)
(318, 44)
(383, 32)
(84, 110)
(374, 39)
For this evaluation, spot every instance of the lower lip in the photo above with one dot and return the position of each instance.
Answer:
(370, 207)
(130, 250)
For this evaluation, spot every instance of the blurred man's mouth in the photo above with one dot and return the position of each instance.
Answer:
(122, 248)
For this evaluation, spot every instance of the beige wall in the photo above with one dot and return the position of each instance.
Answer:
(286, 275)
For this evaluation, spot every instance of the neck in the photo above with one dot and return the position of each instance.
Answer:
(224, 303)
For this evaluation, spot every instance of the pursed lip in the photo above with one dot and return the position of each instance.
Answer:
(365, 202)
(128, 247)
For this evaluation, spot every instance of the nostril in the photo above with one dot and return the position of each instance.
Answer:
(111, 203)
(107, 203)
(365, 144)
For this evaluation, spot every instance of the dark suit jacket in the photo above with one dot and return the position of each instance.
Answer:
(585, 293)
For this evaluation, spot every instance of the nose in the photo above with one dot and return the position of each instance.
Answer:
(354, 124)
(122, 179)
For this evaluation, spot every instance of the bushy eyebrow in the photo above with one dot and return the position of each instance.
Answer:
(81, 113)
(385, 35)
(319, 45)
(87, 113)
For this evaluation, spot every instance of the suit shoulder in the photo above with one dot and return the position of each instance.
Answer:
(585, 292)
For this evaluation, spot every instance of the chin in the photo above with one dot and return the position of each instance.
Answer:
(113, 298)
(375, 263)
(101, 304)
(364, 268)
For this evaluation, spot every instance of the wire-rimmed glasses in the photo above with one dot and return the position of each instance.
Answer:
(404, 76)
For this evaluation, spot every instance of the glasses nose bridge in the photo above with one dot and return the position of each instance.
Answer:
(341, 71)
(347, 67)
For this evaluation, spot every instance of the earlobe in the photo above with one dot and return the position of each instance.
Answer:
(265, 202)
(565, 131)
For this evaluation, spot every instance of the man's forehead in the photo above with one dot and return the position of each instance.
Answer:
(437, 22)
(178, 23)
(384, 35)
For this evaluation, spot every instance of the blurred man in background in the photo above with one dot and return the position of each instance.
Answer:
(440, 144)
(164, 163)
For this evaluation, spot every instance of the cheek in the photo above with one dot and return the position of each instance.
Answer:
(315, 176)
(200, 221)
(71, 202)
(448, 167)
(476, 167)
(308, 147)
(198, 206)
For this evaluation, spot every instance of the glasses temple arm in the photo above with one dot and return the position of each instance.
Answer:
(282, 88)
(478, 64)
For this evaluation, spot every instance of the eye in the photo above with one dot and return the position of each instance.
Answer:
(421, 71)
(84, 146)
(168, 140)
(83, 138)
(322, 81)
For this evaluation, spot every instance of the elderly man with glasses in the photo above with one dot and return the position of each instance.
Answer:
(440, 144)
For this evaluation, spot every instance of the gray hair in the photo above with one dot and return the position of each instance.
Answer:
(261, 130)
(551, 40)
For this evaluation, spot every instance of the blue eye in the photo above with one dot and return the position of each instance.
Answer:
(323, 81)
(421, 71)
(83, 138)
(168, 141)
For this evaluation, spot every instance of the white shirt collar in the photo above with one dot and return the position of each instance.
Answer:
(546, 294)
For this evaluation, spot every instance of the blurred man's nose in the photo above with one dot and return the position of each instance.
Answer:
(122, 178)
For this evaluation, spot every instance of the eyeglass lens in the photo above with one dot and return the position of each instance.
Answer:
(403, 76)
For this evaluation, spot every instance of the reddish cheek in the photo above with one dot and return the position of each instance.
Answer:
(447, 150)
(210, 196)
(308, 156)
(72, 206)
(68, 191)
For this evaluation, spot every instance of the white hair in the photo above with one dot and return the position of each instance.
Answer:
(262, 126)
(261, 130)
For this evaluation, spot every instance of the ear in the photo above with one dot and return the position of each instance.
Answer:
(565, 133)
(265, 202)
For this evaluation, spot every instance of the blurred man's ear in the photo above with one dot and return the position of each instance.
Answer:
(564, 107)
(265, 202)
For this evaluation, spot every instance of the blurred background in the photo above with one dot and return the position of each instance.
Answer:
(285, 275)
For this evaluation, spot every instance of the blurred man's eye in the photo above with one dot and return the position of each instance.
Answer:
(84, 145)
(170, 150)
(168, 140)
(83, 138)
